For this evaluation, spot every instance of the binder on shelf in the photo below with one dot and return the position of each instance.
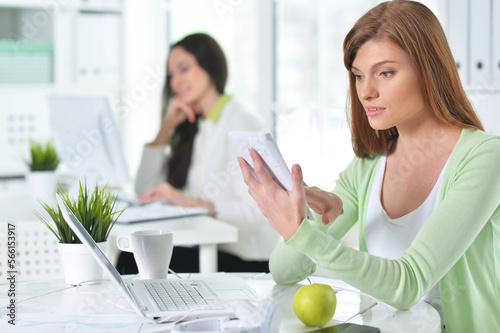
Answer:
(496, 43)
(25, 62)
(64, 48)
(98, 48)
(458, 36)
(480, 43)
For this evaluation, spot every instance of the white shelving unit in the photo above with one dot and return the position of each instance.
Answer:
(79, 48)
(85, 37)
(473, 31)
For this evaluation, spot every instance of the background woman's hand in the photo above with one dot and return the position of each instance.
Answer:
(165, 192)
(173, 196)
(177, 112)
(284, 209)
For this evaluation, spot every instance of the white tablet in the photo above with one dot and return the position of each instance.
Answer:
(267, 148)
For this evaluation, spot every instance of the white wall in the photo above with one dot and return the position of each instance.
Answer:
(145, 45)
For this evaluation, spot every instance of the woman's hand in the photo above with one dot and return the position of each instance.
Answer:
(167, 192)
(164, 191)
(284, 209)
(323, 202)
(177, 112)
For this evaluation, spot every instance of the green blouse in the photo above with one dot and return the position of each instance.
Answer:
(458, 247)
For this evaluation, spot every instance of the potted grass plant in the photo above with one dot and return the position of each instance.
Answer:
(97, 209)
(42, 164)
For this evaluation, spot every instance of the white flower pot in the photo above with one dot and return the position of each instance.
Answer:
(79, 265)
(42, 185)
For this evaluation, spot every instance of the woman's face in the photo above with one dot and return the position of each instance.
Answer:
(188, 80)
(388, 86)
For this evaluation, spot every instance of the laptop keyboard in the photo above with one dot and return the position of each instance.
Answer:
(182, 295)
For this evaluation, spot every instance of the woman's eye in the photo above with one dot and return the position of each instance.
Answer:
(357, 77)
(387, 73)
(184, 69)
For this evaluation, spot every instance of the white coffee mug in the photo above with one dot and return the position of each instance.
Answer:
(152, 251)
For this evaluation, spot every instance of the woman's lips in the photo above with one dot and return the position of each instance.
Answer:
(373, 111)
(183, 92)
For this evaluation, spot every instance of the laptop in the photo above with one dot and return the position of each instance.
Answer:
(147, 296)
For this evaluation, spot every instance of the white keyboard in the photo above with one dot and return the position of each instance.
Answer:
(182, 295)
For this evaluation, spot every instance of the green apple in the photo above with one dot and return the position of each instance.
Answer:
(314, 304)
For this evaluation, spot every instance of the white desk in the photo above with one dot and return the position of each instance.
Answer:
(16, 206)
(99, 308)
(200, 230)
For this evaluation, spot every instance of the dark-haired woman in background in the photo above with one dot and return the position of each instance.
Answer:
(192, 163)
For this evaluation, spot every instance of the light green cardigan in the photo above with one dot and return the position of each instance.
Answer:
(459, 246)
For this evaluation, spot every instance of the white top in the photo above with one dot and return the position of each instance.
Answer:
(390, 238)
(214, 175)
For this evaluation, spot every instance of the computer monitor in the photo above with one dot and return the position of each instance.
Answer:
(87, 140)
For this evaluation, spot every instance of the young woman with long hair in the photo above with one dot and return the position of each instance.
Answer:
(423, 185)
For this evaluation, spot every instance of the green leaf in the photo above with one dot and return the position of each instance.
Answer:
(97, 210)
(43, 157)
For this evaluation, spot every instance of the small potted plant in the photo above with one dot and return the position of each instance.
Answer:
(98, 211)
(42, 165)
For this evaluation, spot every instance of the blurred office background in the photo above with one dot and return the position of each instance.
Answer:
(285, 63)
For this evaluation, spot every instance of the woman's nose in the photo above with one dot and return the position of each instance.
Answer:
(174, 81)
(367, 90)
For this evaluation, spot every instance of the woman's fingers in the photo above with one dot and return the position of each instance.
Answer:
(281, 209)
(187, 110)
(254, 185)
(298, 193)
(325, 203)
(191, 115)
(297, 179)
(261, 170)
(331, 214)
(180, 111)
(147, 197)
(197, 109)
(248, 176)
(156, 193)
